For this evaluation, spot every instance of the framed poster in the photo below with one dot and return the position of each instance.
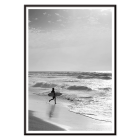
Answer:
(70, 69)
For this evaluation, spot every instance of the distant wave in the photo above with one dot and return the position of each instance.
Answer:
(44, 85)
(95, 75)
(51, 77)
(79, 88)
(71, 80)
(80, 75)
(106, 89)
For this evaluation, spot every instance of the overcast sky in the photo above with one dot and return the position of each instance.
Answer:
(70, 39)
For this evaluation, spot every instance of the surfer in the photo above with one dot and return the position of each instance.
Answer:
(54, 96)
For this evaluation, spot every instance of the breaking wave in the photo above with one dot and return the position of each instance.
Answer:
(44, 85)
(79, 88)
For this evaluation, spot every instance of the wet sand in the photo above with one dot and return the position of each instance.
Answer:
(36, 124)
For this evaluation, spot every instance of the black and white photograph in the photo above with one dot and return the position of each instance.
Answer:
(70, 69)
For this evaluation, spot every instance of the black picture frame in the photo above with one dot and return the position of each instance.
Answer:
(115, 69)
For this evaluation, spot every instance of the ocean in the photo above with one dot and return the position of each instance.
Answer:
(88, 93)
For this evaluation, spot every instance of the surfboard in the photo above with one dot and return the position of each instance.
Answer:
(56, 94)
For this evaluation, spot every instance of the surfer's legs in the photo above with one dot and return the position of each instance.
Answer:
(51, 99)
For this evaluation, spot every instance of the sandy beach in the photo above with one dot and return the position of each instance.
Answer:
(36, 124)
(45, 116)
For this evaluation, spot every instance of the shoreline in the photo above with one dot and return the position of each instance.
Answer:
(59, 116)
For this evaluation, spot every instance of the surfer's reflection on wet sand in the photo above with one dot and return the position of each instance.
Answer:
(51, 111)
